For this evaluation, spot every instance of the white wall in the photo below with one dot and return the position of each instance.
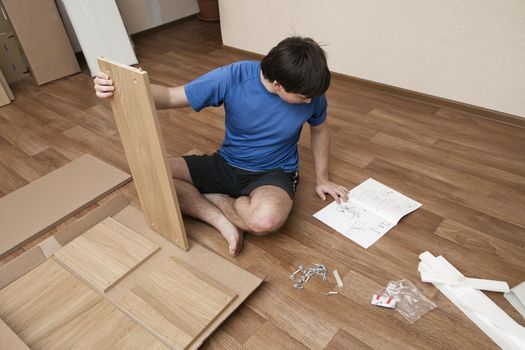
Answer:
(140, 15)
(471, 51)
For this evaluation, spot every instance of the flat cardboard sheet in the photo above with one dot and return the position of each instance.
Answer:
(32, 209)
(43, 39)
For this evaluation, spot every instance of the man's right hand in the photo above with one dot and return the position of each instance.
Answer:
(103, 85)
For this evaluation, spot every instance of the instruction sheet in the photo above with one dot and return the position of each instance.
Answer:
(371, 211)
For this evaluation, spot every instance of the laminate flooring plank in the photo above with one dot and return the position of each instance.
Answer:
(269, 336)
(32, 209)
(242, 324)
(105, 254)
(139, 130)
(177, 303)
(466, 166)
(24, 138)
(108, 149)
(11, 181)
(343, 341)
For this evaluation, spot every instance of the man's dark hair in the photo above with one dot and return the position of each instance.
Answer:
(299, 65)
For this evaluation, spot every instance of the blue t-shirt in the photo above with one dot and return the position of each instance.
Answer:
(262, 130)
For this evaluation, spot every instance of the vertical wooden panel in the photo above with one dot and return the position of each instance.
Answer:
(137, 122)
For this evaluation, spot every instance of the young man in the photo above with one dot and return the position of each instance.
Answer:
(249, 184)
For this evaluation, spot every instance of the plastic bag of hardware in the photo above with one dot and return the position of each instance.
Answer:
(410, 302)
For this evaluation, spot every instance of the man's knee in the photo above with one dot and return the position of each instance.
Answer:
(264, 223)
(179, 169)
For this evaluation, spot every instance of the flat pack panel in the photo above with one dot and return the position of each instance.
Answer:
(32, 209)
(100, 31)
(101, 327)
(105, 254)
(43, 300)
(139, 130)
(51, 309)
(177, 302)
(43, 39)
(4, 97)
(199, 259)
(9, 340)
(3, 83)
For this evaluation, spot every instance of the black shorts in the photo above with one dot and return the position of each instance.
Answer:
(212, 174)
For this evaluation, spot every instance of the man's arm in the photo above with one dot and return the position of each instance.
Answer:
(169, 97)
(164, 97)
(320, 142)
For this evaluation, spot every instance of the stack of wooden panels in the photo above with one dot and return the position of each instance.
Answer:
(114, 283)
(51, 309)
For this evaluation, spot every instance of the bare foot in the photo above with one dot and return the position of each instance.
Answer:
(233, 236)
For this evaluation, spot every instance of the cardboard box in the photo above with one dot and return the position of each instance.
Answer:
(43, 39)
(12, 62)
(5, 26)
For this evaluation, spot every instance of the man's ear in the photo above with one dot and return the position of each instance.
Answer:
(276, 86)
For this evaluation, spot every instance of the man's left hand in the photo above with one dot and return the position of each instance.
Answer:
(339, 193)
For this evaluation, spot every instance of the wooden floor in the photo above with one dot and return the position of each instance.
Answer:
(468, 171)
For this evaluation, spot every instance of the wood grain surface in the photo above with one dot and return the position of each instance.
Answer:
(51, 309)
(105, 254)
(9, 339)
(177, 302)
(136, 118)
